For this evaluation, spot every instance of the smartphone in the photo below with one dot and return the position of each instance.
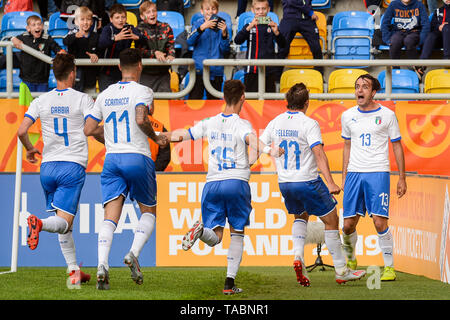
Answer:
(218, 20)
(127, 26)
(263, 20)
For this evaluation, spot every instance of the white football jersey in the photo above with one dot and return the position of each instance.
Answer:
(297, 134)
(116, 106)
(62, 114)
(369, 132)
(228, 154)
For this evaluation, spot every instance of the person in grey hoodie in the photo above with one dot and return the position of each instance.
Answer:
(405, 24)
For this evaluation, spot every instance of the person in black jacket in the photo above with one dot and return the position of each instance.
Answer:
(115, 37)
(82, 43)
(261, 35)
(34, 72)
(439, 33)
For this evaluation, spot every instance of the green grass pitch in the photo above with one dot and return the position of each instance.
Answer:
(206, 283)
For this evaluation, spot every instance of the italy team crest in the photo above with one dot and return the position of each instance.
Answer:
(378, 120)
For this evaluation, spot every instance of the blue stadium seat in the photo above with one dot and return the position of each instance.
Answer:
(239, 75)
(175, 21)
(351, 34)
(247, 17)
(16, 80)
(321, 4)
(51, 80)
(403, 81)
(58, 29)
(14, 24)
(131, 4)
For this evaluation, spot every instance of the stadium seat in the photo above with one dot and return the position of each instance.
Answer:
(175, 21)
(14, 24)
(174, 81)
(57, 29)
(131, 4)
(16, 80)
(321, 4)
(132, 19)
(343, 80)
(51, 80)
(311, 78)
(299, 48)
(247, 17)
(239, 75)
(352, 33)
(403, 81)
(437, 81)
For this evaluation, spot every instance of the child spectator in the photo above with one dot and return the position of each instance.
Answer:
(115, 37)
(34, 72)
(82, 43)
(210, 41)
(260, 37)
(156, 43)
(440, 31)
(405, 23)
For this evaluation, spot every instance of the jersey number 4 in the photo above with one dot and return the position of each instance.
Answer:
(64, 130)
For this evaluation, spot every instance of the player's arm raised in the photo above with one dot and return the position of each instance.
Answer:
(322, 164)
(23, 136)
(400, 160)
(145, 125)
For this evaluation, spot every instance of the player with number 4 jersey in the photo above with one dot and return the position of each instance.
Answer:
(367, 129)
(303, 190)
(62, 112)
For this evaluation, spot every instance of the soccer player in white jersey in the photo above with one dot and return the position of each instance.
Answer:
(64, 158)
(226, 194)
(303, 189)
(367, 129)
(128, 167)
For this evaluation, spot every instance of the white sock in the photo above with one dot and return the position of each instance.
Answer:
(235, 254)
(386, 242)
(299, 229)
(334, 245)
(105, 237)
(143, 232)
(349, 245)
(54, 224)
(209, 237)
(68, 250)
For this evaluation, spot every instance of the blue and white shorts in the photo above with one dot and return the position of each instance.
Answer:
(129, 173)
(227, 199)
(310, 196)
(366, 191)
(62, 182)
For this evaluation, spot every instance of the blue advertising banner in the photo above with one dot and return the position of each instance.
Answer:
(85, 228)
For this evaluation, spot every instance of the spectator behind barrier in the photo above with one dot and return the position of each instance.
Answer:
(82, 43)
(34, 72)
(260, 35)
(405, 23)
(156, 43)
(114, 38)
(209, 37)
(439, 33)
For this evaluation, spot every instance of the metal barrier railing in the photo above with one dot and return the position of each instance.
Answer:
(101, 62)
(388, 64)
(261, 64)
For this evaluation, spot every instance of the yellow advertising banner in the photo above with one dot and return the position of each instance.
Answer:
(419, 223)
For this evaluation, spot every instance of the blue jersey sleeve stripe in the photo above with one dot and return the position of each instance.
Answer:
(315, 144)
(346, 138)
(190, 133)
(396, 139)
(245, 136)
(28, 116)
(142, 104)
(91, 116)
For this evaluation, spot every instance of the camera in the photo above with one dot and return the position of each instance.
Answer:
(263, 20)
(217, 19)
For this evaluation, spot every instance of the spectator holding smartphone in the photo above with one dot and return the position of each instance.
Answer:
(261, 34)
